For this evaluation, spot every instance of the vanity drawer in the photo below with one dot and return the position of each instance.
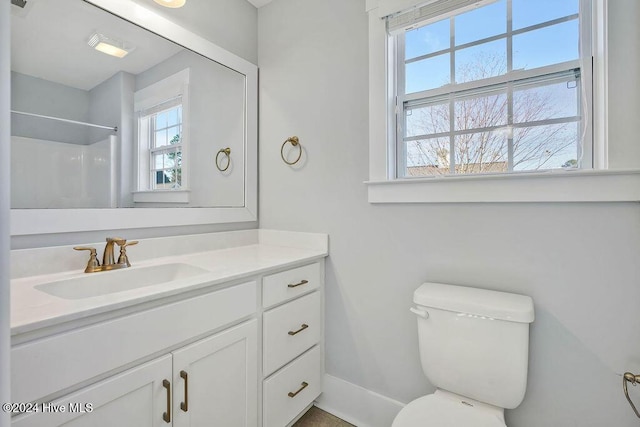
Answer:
(285, 393)
(291, 329)
(289, 284)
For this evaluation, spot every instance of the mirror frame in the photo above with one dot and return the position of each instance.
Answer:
(45, 221)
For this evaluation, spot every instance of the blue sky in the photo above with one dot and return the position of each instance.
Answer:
(541, 47)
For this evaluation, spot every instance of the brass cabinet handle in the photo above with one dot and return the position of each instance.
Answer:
(185, 405)
(303, 386)
(302, 328)
(166, 416)
(303, 282)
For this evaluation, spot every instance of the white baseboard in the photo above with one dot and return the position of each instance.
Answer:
(357, 405)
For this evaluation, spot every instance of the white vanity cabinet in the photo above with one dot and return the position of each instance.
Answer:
(46, 366)
(292, 340)
(212, 379)
(215, 380)
(239, 347)
(133, 398)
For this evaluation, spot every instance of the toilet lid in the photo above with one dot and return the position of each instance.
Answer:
(436, 411)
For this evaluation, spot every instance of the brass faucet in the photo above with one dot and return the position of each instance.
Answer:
(108, 258)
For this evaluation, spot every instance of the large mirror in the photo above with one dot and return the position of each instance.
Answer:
(119, 113)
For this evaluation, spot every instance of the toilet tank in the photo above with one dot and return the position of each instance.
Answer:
(475, 342)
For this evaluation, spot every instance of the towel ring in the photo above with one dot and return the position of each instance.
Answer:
(633, 379)
(296, 143)
(226, 152)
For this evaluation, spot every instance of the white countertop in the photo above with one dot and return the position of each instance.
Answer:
(32, 309)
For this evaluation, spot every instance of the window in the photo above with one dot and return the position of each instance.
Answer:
(490, 87)
(162, 137)
(593, 180)
(162, 131)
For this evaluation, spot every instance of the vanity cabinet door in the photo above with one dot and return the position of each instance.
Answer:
(216, 380)
(136, 397)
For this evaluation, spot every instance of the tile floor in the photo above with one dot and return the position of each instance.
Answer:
(316, 417)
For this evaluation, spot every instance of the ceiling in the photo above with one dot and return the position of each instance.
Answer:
(49, 41)
(40, 49)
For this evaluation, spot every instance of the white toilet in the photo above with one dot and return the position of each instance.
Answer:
(474, 347)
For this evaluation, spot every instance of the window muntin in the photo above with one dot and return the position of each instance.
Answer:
(165, 148)
(501, 104)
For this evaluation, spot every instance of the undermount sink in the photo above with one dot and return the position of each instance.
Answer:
(110, 282)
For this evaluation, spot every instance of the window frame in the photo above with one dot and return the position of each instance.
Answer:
(148, 102)
(547, 186)
(506, 84)
(164, 149)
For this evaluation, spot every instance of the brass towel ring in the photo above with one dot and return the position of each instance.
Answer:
(226, 152)
(633, 379)
(296, 143)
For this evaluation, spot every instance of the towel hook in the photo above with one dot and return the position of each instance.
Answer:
(633, 379)
(296, 143)
(226, 152)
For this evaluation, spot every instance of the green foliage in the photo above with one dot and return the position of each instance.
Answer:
(176, 174)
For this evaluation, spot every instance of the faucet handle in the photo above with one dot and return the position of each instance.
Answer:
(123, 258)
(125, 243)
(93, 264)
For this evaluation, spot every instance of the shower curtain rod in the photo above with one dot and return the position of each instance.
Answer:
(115, 129)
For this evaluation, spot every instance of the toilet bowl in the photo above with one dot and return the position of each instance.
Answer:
(474, 347)
(444, 409)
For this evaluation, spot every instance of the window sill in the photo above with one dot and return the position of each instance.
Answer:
(161, 196)
(539, 187)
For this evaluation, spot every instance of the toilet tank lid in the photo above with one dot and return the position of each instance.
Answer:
(480, 302)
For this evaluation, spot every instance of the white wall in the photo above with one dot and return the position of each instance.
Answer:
(5, 171)
(624, 84)
(231, 24)
(578, 261)
(111, 104)
(38, 96)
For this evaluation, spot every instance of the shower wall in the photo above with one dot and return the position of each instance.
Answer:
(56, 164)
(55, 175)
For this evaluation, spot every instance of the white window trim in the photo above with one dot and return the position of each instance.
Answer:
(549, 186)
(170, 87)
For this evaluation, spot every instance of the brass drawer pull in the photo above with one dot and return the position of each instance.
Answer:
(303, 282)
(303, 386)
(166, 416)
(185, 405)
(302, 328)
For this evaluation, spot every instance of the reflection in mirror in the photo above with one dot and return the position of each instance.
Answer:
(107, 114)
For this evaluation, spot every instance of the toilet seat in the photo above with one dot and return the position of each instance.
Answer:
(443, 409)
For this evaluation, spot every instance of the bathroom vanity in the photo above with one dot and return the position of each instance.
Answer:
(226, 327)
